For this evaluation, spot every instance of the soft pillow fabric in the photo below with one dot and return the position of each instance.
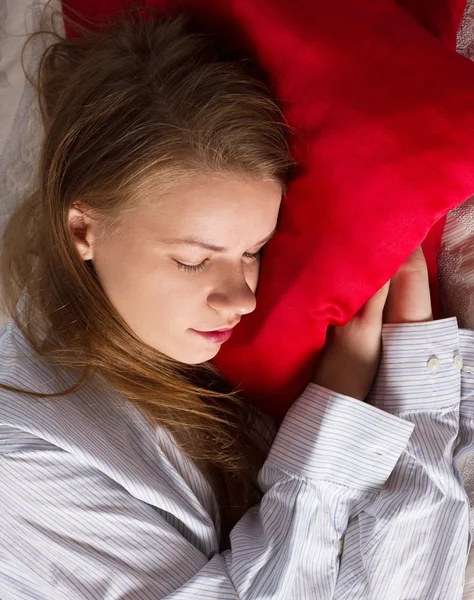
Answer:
(384, 109)
(440, 17)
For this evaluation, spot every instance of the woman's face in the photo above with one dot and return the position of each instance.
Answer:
(166, 285)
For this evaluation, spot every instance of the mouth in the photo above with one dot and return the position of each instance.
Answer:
(219, 336)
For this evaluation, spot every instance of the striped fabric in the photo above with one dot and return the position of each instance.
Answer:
(361, 500)
(414, 541)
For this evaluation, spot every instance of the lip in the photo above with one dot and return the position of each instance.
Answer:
(216, 337)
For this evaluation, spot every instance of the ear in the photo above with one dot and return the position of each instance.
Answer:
(84, 229)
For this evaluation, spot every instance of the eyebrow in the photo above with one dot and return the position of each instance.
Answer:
(202, 244)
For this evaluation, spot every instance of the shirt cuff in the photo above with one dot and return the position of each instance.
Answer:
(419, 368)
(466, 349)
(333, 437)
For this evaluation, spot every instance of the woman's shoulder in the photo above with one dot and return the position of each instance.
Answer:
(92, 431)
(94, 423)
(84, 420)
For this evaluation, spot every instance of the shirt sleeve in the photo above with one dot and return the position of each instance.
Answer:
(70, 531)
(464, 451)
(413, 541)
(465, 444)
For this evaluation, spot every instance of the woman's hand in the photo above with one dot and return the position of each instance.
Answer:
(350, 358)
(349, 361)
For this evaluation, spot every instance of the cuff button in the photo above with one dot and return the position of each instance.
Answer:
(458, 361)
(433, 364)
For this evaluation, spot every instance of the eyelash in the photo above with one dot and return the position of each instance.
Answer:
(202, 266)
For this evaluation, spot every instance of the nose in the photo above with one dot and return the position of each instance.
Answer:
(232, 294)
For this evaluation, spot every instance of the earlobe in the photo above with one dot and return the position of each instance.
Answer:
(82, 228)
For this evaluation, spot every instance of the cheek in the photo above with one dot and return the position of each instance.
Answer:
(146, 289)
(158, 302)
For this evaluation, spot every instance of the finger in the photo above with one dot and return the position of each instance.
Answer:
(409, 298)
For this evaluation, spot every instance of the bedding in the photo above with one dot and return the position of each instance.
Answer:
(20, 129)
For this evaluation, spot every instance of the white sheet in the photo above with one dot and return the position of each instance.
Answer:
(20, 130)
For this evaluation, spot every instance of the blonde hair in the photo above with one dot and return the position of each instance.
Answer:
(140, 100)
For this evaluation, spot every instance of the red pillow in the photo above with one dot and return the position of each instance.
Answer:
(386, 115)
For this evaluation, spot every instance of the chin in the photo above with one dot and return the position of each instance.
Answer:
(197, 358)
(204, 358)
(195, 353)
(186, 350)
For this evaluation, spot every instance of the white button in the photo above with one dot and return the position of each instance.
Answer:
(458, 361)
(433, 364)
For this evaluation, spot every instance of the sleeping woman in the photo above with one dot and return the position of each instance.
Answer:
(130, 469)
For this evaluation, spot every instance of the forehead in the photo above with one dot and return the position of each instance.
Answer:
(220, 209)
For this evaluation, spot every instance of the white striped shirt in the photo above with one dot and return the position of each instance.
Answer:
(95, 503)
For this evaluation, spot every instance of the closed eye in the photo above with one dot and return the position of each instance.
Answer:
(202, 266)
(191, 268)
